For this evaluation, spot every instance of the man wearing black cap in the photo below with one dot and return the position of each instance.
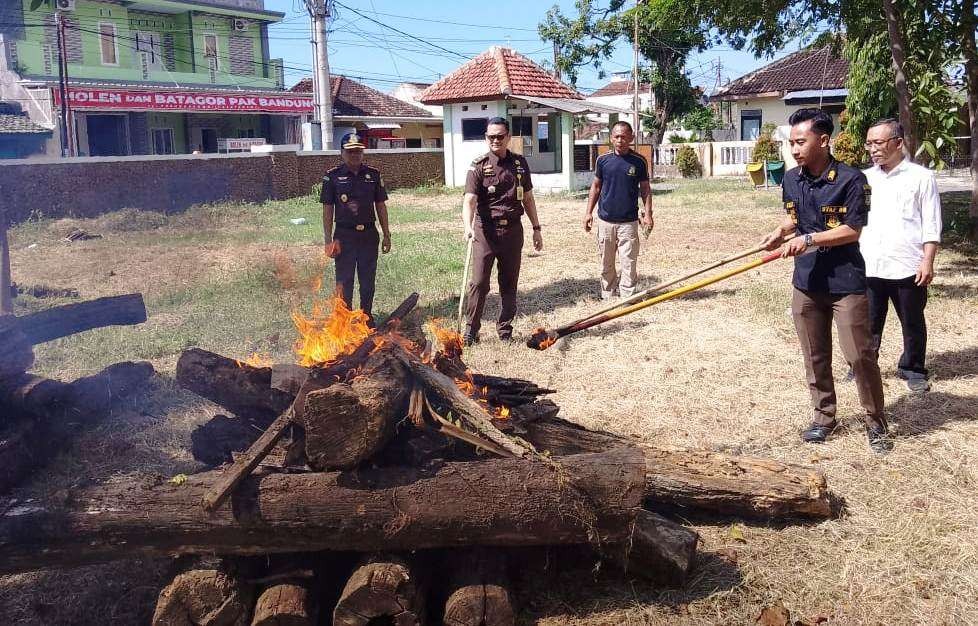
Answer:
(354, 194)
(498, 190)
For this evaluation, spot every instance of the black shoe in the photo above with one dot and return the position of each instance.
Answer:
(817, 433)
(470, 339)
(879, 439)
(918, 385)
(505, 336)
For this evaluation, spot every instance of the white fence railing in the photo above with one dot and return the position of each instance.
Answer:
(717, 158)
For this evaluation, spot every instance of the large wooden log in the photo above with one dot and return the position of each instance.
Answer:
(199, 597)
(478, 589)
(657, 549)
(703, 480)
(49, 413)
(579, 499)
(289, 603)
(384, 590)
(69, 319)
(242, 389)
(248, 391)
(83, 398)
(346, 424)
(16, 355)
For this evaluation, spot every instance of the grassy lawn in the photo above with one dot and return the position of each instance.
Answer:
(720, 369)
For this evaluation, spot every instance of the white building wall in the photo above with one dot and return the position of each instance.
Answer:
(462, 153)
(773, 109)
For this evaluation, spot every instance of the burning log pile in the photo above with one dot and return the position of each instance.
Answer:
(381, 481)
(39, 415)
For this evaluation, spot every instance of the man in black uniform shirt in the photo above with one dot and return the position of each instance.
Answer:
(497, 191)
(827, 204)
(354, 194)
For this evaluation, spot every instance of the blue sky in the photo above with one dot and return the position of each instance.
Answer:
(362, 48)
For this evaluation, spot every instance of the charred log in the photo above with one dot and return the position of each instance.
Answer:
(478, 589)
(580, 499)
(212, 597)
(386, 590)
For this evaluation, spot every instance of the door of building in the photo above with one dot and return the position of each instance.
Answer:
(208, 140)
(107, 135)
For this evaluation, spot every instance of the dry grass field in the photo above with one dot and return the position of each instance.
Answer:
(720, 369)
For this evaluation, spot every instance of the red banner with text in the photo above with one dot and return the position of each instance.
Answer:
(186, 101)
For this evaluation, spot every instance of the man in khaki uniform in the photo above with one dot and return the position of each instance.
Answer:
(620, 178)
(498, 190)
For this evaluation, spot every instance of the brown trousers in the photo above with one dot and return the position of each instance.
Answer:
(813, 313)
(502, 245)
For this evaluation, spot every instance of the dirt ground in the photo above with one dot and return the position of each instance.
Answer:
(720, 369)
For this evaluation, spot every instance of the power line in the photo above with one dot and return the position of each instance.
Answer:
(434, 21)
(433, 45)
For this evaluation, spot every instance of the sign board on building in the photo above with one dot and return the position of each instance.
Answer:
(126, 100)
(237, 145)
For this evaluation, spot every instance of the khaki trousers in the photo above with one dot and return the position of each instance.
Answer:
(502, 245)
(618, 247)
(813, 313)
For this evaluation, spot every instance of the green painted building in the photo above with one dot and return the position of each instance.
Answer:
(148, 76)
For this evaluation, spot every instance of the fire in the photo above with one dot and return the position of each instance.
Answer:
(449, 341)
(256, 360)
(467, 385)
(503, 412)
(330, 331)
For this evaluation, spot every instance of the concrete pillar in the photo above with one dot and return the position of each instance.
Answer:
(448, 144)
(567, 149)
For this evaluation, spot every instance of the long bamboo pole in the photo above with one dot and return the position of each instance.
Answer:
(543, 339)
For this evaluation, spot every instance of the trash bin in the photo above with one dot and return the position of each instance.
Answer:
(775, 172)
(756, 173)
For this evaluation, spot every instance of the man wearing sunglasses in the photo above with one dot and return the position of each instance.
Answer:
(899, 244)
(498, 190)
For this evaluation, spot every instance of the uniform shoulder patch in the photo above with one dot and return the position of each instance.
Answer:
(479, 159)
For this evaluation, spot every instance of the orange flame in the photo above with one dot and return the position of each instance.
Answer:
(333, 249)
(332, 330)
(256, 360)
(503, 412)
(449, 341)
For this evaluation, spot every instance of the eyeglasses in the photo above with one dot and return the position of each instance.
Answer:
(495, 137)
(879, 143)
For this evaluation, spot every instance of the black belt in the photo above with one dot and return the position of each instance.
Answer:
(354, 226)
(502, 221)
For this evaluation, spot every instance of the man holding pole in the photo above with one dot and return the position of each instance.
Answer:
(498, 190)
(827, 205)
(620, 178)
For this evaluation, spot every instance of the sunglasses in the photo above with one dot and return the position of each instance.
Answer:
(879, 143)
(495, 137)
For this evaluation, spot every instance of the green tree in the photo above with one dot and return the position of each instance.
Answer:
(590, 37)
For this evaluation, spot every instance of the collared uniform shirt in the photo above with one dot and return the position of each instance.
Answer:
(353, 195)
(906, 215)
(620, 177)
(498, 184)
(816, 204)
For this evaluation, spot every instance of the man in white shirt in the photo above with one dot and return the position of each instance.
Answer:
(899, 245)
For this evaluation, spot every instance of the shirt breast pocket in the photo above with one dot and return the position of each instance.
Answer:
(909, 198)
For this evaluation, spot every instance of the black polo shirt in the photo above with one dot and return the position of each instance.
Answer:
(353, 194)
(819, 203)
(620, 177)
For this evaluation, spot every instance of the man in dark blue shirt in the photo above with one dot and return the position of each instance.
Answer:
(827, 204)
(620, 177)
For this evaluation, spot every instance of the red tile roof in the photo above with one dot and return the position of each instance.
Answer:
(353, 99)
(620, 88)
(494, 74)
(812, 68)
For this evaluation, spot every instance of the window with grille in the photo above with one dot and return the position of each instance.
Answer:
(162, 141)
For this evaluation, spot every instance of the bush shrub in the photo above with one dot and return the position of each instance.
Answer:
(676, 138)
(845, 148)
(766, 148)
(687, 163)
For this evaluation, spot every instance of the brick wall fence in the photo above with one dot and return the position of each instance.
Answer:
(89, 186)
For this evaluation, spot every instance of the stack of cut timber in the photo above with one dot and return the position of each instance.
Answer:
(382, 456)
(39, 415)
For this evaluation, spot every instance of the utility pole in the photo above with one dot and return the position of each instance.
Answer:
(556, 56)
(319, 12)
(315, 73)
(63, 85)
(638, 122)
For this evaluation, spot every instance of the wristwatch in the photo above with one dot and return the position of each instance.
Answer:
(537, 228)
(809, 240)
